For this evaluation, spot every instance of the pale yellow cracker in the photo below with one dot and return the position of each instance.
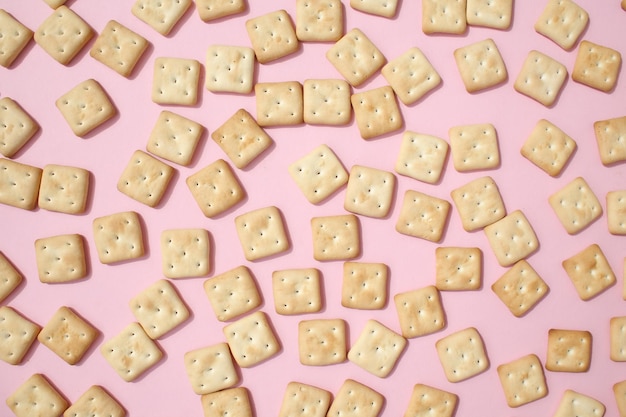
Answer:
(480, 65)
(511, 238)
(370, 191)
(377, 349)
(174, 138)
(228, 402)
(420, 311)
(64, 189)
(251, 339)
(376, 112)
(37, 397)
(10, 277)
(272, 36)
(575, 404)
(131, 353)
(322, 341)
(355, 399)
(615, 212)
(428, 401)
(63, 34)
(229, 69)
(185, 253)
(161, 15)
(562, 21)
(318, 174)
(326, 102)
(118, 237)
(589, 271)
(597, 66)
(262, 233)
(462, 354)
(119, 48)
(61, 258)
(474, 147)
(568, 350)
(16, 126)
(444, 16)
(523, 380)
(55, 3)
(336, 237)
(617, 349)
(319, 20)
(19, 184)
(145, 178)
(85, 107)
(279, 103)
(297, 291)
(619, 388)
(15, 37)
(421, 157)
(384, 8)
(232, 293)
(520, 288)
(575, 205)
(215, 188)
(68, 335)
(548, 147)
(159, 308)
(210, 369)
(423, 216)
(209, 10)
(458, 268)
(18, 334)
(304, 400)
(364, 285)
(541, 78)
(611, 140)
(175, 81)
(95, 402)
(411, 75)
(495, 14)
(355, 57)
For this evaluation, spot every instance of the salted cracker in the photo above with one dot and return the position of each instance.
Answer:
(355, 57)
(318, 174)
(336, 237)
(304, 400)
(19, 184)
(55, 3)
(175, 81)
(575, 404)
(251, 339)
(119, 48)
(159, 308)
(85, 107)
(262, 233)
(458, 268)
(297, 291)
(511, 238)
(597, 66)
(520, 288)
(18, 334)
(229, 69)
(185, 253)
(619, 388)
(495, 14)
(481, 66)
(63, 34)
(68, 335)
(568, 350)
(322, 341)
(61, 258)
(411, 75)
(541, 78)
(356, 399)
(364, 285)
(215, 188)
(423, 216)
(615, 212)
(548, 147)
(617, 331)
(145, 178)
(589, 271)
(326, 102)
(209, 10)
(376, 112)
(370, 191)
(430, 401)
(462, 354)
(272, 36)
(37, 397)
(421, 157)
(562, 21)
(231, 401)
(64, 189)
(444, 16)
(377, 349)
(174, 138)
(232, 293)
(611, 139)
(474, 147)
(523, 380)
(95, 402)
(10, 277)
(210, 368)
(575, 205)
(17, 127)
(319, 20)
(160, 15)
(382, 8)
(279, 103)
(420, 311)
(118, 237)
(15, 37)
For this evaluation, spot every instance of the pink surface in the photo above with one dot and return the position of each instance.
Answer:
(35, 80)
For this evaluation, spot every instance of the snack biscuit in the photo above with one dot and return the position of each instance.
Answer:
(376, 112)
(319, 20)
(262, 233)
(479, 203)
(304, 400)
(118, 237)
(232, 293)
(609, 137)
(458, 268)
(420, 311)
(523, 380)
(488, 13)
(119, 48)
(411, 75)
(446, 16)
(210, 369)
(272, 36)
(474, 147)
(242, 139)
(336, 237)
(462, 354)
(68, 335)
(10, 277)
(355, 57)
(16, 126)
(37, 396)
(575, 205)
(326, 102)
(160, 15)
(576, 404)
(279, 103)
(61, 258)
(63, 34)
(422, 157)
(377, 349)
(185, 253)
(55, 3)
(376, 7)
(297, 291)
(95, 402)
(229, 69)
(423, 216)
(145, 178)
(597, 66)
(511, 238)
(322, 341)
(616, 212)
(562, 21)
(64, 189)
(251, 339)
(175, 81)
(541, 78)
(19, 184)
(619, 388)
(589, 271)
(215, 188)
(520, 288)
(210, 10)
(231, 401)
(85, 107)
(617, 331)
(364, 285)
(18, 334)
(427, 400)
(174, 138)
(15, 37)
(356, 399)
(318, 174)
(568, 350)
(370, 191)
(548, 147)
(480, 65)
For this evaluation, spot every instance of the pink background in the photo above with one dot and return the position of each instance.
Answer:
(35, 80)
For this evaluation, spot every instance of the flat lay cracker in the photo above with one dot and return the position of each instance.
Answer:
(118, 237)
(370, 191)
(541, 78)
(251, 339)
(18, 334)
(423, 216)
(356, 399)
(262, 233)
(174, 138)
(305, 400)
(232, 293)
(568, 350)
(210, 369)
(145, 178)
(61, 258)
(479, 203)
(411, 75)
(610, 139)
(548, 147)
(512, 238)
(210, 10)
(37, 396)
(523, 380)
(589, 271)
(160, 15)
(420, 311)
(474, 147)
(576, 205)
(597, 66)
(15, 38)
(336, 237)
(458, 268)
(322, 341)
(85, 107)
(119, 48)
(10, 277)
(326, 102)
(356, 57)
(562, 21)
(231, 401)
(64, 189)
(55, 3)
(574, 403)
(175, 81)
(376, 7)
(520, 288)
(376, 112)
(95, 402)
(16, 126)
(185, 253)
(19, 184)
(377, 349)
(279, 104)
(462, 354)
(318, 174)
(427, 400)
(616, 212)
(495, 14)
(617, 326)
(215, 188)
(364, 285)
(447, 16)
(68, 335)
(229, 68)
(272, 36)
(297, 291)
(480, 65)
(63, 34)
(619, 390)
(319, 20)
(422, 157)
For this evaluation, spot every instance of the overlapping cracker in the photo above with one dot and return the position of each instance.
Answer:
(119, 48)
(95, 402)
(319, 20)
(370, 191)
(232, 293)
(548, 147)
(474, 147)
(85, 107)
(19, 184)
(185, 253)
(377, 349)
(423, 216)
(215, 188)
(576, 205)
(562, 21)
(336, 237)
(420, 311)
(174, 138)
(376, 112)
(118, 237)
(279, 103)
(160, 15)
(326, 102)
(520, 288)
(318, 174)
(61, 258)
(355, 399)
(175, 81)
(422, 157)
(16, 125)
(462, 354)
(15, 37)
(159, 308)
(229, 68)
(364, 285)
(37, 397)
(18, 335)
(210, 369)
(64, 189)
(480, 65)
(297, 291)
(568, 350)
(251, 339)
(597, 66)
(511, 238)
(458, 268)
(589, 271)
(63, 34)
(262, 233)
(272, 36)
(523, 380)
(145, 178)
(356, 57)
(304, 400)
(411, 75)
(68, 335)
(541, 78)
(610, 139)
(322, 341)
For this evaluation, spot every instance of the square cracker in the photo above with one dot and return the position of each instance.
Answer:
(495, 14)
(444, 16)
(336, 237)
(382, 8)
(421, 157)
(55, 3)
(370, 191)
(541, 78)
(326, 102)
(562, 21)
(229, 68)
(480, 65)
(210, 369)
(10, 277)
(589, 271)
(18, 334)
(185, 253)
(376, 112)
(548, 147)
(322, 341)
(597, 66)
(272, 36)
(19, 184)
(161, 15)
(215, 188)
(617, 329)
(423, 216)
(615, 212)
(119, 48)
(61, 258)
(619, 388)
(209, 10)
(377, 349)
(610, 137)
(298, 396)
(159, 308)
(428, 401)
(297, 291)
(474, 147)
(63, 34)
(232, 293)
(319, 20)
(174, 138)
(279, 103)
(355, 399)
(15, 37)
(364, 285)
(420, 311)
(145, 178)
(462, 354)
(575, 404)
(231, 401)
(575, 205)
(523, 380)
(241, 138)
(262, 233)
(520, 288)
(568, 350)
(118, 237)
(16, 126)
(95, 402)
(511, 238)
(68, 335)
(411, 75)
(318, 174)
(131, 352)
(85, 107)
(37, 397)
(175, 81)
(355, 57)
(64, 189)
(251, 339)
(458, 268)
